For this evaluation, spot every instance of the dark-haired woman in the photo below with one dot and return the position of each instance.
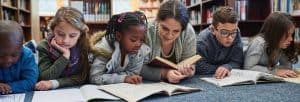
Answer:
(170, 37)
(273, 50)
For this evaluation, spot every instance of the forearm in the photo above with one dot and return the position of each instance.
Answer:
(50, 70)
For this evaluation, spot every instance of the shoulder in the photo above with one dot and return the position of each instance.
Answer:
(26, 53)
(42, 45)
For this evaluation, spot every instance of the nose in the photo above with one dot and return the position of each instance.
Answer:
(66, 40)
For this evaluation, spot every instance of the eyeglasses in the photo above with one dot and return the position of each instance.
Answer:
(226, 33)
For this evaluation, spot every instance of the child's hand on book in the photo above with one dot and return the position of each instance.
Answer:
(186, 69)
(65, 51)
(133, 79)
(174, 76)
(5, 89)
(286, 73)
(221, 72)
(43, 85)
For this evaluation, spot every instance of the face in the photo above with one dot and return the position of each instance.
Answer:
(287, 38)
(66, 35)
(132, 39)
(169, 30)
(9, 53)
(226, 33)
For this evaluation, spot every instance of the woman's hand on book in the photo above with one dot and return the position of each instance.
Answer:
(5, 88)
(186, 69)
(133, 79)
(43, 85)
(221, 72)
(174, 76)
(286, 73)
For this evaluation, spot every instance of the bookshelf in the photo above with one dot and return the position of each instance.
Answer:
(96, 12)
(19, 11)
(251, 13)
(149, 7)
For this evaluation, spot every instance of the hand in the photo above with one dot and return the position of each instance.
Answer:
(174, 76)
(133, 79)
(66, 52)
(286, 73)
(221, 72)
(43, 85)
(186, 69)
(5, 89)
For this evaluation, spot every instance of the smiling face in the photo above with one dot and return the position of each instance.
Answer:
(132, 39)
(169, 30)
(226, 33)
(287, 38)
(66, 35)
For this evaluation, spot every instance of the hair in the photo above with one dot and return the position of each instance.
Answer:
(12, 30)
(223, 15)
(122, 22)
(275, 27)
(76, 19)
(173, 9)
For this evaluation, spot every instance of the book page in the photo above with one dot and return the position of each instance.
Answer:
(236, 77)
(191, 60)
(172, 89)
(293, 80)
(133, 93)
(59, 95)
(12, 98)
(91, 92)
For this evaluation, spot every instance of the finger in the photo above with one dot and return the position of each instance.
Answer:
(224, 73)
(284, 75)
(139, 79)
(218, 72)
(291, 74)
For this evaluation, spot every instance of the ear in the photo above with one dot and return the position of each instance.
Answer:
(213, 30)
(118, 36)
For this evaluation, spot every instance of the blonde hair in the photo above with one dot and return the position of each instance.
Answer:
(76, 19)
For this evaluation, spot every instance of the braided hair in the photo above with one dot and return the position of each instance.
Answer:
(121, 22)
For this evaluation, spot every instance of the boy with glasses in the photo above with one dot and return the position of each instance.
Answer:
(220, 45)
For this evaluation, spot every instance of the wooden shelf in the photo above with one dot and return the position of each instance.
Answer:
(9, 7)
(18, 14)
(25, 11)
(194, 5)
(207, 1)
(26, 26)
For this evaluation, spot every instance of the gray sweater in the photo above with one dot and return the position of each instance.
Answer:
(256, 57)
(214, 54)
(185, 47)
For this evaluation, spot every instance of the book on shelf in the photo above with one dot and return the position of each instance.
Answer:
(85, 93)
(137, 92)
(93, 10)
(164, 63)
(241, 77)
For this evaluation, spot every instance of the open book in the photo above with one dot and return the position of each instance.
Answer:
(133, 92)
(239, 77)
(161, 62)
(83, 94)
(294, 80)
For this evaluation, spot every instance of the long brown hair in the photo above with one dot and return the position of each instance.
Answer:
(75, 18)
(276, 27)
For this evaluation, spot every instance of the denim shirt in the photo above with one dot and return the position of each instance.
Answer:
(214, 54)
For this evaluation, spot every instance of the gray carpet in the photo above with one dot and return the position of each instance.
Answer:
(267, 92)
